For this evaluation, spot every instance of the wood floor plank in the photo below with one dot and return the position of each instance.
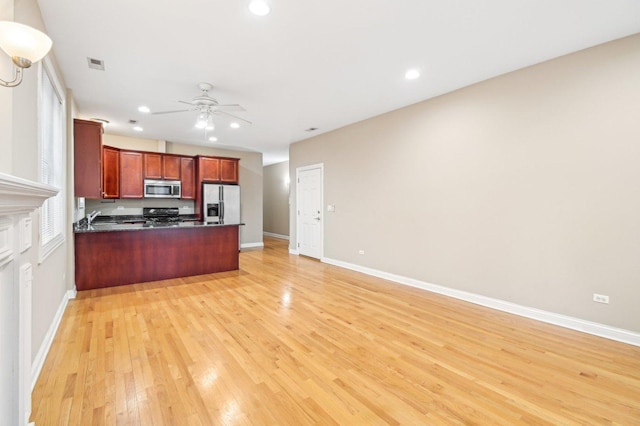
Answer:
(289, 340)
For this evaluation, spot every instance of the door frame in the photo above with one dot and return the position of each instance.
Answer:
(297, 211)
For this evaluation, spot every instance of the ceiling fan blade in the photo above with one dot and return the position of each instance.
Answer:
(229, 107)
(188, 103)
(170, 112)
(234, 116)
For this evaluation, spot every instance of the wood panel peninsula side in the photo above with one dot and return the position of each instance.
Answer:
(117, 257)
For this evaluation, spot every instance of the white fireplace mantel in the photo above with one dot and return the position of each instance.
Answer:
(19, 195)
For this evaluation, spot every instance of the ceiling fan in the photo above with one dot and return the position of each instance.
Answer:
(207, 107)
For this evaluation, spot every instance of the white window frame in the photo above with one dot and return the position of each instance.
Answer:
(48, 247)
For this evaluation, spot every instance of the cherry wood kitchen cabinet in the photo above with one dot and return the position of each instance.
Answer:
(87, 153)
(228, 170)
(208, 169)
(161, 166)
(107, 259)
(171, 167)
(131, 181)
(110, 172)
(188, 177)
(152, 166)
(217, 169)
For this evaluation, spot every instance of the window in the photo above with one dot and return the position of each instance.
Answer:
(51, 128)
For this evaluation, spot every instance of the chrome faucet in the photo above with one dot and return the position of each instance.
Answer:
(92, 216)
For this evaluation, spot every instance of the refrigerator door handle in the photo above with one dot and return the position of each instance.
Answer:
(221, 213)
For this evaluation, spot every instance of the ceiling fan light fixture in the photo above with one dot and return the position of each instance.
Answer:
(259, 7)
(202, 120)
(144, 109)
(234, 125)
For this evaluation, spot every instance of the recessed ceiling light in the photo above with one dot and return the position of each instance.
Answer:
(412, 74)
(259, 7)
(138, 128)
(144, 109)
(213, 139)
(234, 125)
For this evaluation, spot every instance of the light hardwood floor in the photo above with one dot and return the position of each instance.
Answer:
(291, 341)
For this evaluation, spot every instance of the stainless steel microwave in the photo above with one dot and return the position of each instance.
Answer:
(162, 188)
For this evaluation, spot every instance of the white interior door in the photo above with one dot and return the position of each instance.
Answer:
(309, 206)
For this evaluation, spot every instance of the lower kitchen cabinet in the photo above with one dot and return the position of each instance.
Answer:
(108, 259)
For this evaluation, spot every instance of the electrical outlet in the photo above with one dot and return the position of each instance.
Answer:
(600, 298)
(360, 251)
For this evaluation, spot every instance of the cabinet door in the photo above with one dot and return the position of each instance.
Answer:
(209, 169)
(228, 170)
(87, 154)
(170, 167)
(110, 172)
(188, 175)
(152, 166)
(131, 175)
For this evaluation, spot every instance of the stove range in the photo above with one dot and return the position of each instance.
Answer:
(161, 215)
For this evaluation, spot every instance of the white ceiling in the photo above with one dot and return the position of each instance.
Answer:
(309, 63)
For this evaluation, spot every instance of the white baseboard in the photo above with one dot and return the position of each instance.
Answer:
(271, 234)
(251, 245)
(597, 329)
(38, 362)
(294, 251)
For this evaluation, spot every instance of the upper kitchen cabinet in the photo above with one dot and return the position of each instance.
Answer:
(188, 175)
(87, 152)
(171, 167)
(228, 170)
(218, 170)
(208, 169)
(110, 172)
(161, 166)
(131, 181)
(152, 166)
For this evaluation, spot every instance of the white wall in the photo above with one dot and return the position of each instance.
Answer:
(523, 188)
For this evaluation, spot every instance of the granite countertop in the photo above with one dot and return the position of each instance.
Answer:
(137, 223)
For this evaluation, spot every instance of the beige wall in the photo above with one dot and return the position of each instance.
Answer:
(19, 141)
(524, 188)
(250, 182)
(276, 198)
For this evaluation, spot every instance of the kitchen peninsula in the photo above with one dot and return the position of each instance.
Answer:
(114, 253)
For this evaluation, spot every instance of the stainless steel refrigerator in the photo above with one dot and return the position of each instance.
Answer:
(221, 203)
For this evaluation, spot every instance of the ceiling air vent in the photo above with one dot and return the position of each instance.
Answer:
(311, 129)
(96, 64)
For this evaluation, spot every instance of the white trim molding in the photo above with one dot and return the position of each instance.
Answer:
(280, 236)
(19, 195)
(294, 252)
(251, 245)
(38, 361)
(589, 327)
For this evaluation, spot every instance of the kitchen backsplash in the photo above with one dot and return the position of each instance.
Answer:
(134, 207)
